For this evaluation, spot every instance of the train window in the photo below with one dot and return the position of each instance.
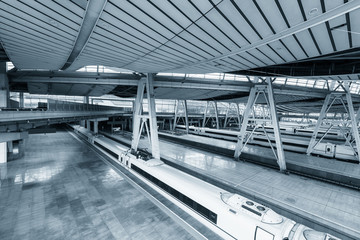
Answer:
(261, 234)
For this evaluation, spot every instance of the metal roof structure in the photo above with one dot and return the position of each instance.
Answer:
(177, 36)
(313, 43)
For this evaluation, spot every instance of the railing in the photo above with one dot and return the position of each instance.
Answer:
(60, 110)
(55, 105)
(21, 109)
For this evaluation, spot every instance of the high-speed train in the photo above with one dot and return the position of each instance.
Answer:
(285, 130)
(230, 215)
(292, 141)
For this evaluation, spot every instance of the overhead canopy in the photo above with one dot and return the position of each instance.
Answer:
(176, 36)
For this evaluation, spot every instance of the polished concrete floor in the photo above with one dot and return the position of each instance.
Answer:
(337, 206)
(60, 189)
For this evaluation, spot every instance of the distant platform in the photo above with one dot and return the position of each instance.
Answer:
(315, 203)
(328, 169)
(61, 189)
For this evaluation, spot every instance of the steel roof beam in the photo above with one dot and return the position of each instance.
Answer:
(130, 79)
(93, 12)
(239, 87)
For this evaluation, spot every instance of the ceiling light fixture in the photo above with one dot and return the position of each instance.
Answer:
(313, 11)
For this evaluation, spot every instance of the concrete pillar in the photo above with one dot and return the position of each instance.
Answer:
(10, 146)
(88, 125)
(137, 114)
(171, 125)
(205, 114)
(186, 117)
(21, 100)
(140, 120)
(241, 136)
(3, 172)
(96, 127)
(275, 124)
(226, 115)
(4, 86)
(155, 147)
(177, 103)
(86, 99)
(323, 112)
(3, 152)
(216, 115)
(4, 99)
(354, 129)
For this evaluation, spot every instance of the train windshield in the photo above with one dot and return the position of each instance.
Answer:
(261, 234)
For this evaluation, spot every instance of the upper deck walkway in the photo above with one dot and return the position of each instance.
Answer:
(55, 112)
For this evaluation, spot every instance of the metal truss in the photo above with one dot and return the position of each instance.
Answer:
(264, 88)
(349, 119)
(206, 118)
(141, 120)
(230, 116)
(181, 113)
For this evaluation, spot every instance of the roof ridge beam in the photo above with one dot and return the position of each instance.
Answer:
(93, 12)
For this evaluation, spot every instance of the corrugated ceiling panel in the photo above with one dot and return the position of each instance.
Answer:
(261, 56)
(322, 38)
(273, 15)
(307, 43)
(228, 30)
(255, 17)
(122, 37)
(292, 11)
(123, 15)
(340, 34)
(294, 47)
(333, 4)
(311, 8)
(137, 13)
(271, 54)
(206, 49)
(48, 31)
(282, 51)
(355, 27)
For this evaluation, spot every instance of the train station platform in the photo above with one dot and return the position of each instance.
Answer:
(321, 205)
(55, 112)
(61, 189)
(340, 172)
